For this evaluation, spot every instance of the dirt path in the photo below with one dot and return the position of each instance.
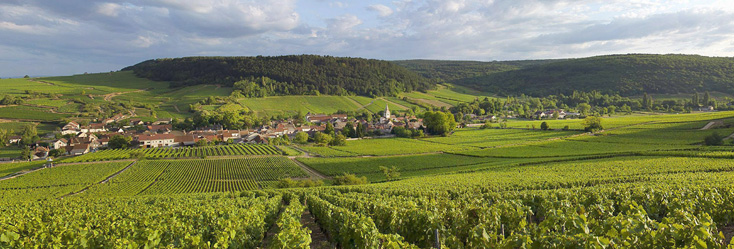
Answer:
(319, 240)
(399, 105)
(713, 124)
(357, 103)
(17, 174)
(42, 82)
(103, 181)
(274, 229)
(176, 107)
(109, 96)
(313, 173)
(154, 181)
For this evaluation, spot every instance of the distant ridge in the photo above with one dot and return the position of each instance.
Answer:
(293, 74)
(631, 74)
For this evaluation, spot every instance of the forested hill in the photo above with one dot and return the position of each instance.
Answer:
(293, 74)
(450, 71)
(623, 74)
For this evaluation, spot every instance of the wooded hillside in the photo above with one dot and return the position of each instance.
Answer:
(293, 74)
(613, 74)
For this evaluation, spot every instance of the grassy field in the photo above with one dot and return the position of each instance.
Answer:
(30, 113)
(293, 104)
(412, 165)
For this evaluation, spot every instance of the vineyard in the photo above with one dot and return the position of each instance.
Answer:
(194, 176)
(57, 181)
(617, 202)
(644, 184)
(184, 152)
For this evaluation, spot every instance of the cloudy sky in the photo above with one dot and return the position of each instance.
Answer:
(51, 37)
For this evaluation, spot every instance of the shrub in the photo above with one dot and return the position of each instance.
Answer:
(290, 183)
(714, 139)
(349, 179)
(544, 126)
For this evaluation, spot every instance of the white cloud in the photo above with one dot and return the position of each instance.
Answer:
(109, 9)
(343, 23)
(381, 10)
(122, 32)
(28, 29)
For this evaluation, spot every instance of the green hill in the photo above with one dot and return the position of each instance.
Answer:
(450, 71)
(623, 74)
(292, 75)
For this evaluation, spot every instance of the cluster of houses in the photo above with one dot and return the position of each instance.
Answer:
(82, 139)
(549, 113)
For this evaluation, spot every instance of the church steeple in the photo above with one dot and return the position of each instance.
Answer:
(387, 112)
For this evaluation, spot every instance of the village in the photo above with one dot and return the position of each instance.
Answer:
(74, 139)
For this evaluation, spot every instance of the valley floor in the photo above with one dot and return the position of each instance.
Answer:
(643, 182)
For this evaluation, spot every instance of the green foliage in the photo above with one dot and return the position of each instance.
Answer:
(57, 152)
(714, 139)
(25, 153)
(11, 100)
(390, 173)
(338, 140)
(544, 126)
(322, 139)
(592, 124)
(181, 152)
(301, 138)
(295, 74)
(628, 75)
(349, 179)
(290, 183)
(118, 141)
(291, 234)
(439, 123)
(136, 154)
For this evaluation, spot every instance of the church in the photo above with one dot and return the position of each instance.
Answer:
(387, 118)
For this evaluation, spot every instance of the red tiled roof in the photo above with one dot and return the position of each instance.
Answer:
(156, 137)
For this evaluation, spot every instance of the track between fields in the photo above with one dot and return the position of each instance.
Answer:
(309, 170)
(103, 181)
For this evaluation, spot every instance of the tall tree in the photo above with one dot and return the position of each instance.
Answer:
(329, 128)
(706, 99)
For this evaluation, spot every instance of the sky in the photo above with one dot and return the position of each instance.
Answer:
(51, 37)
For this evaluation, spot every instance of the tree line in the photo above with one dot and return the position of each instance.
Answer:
(287, 75)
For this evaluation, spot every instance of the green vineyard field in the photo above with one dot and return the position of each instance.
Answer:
(184, 152)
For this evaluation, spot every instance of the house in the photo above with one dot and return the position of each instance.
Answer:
(255, 138)
(322, 118)
(113, 119)
(706, 109)
(156, 140)
(79, 149)
(539, 115)
(185, 140)
(225, 135)
(14, 139)
(71, 128)
(59, 143)
(103, 141)
(94, 128)
(160, 128)
(136, 122)
(40, 152)
(161, 121)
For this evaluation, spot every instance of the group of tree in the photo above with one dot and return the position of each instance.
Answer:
(626, 75)
(287, 75)
(11, 100)
(439, 123)
(585, 103)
